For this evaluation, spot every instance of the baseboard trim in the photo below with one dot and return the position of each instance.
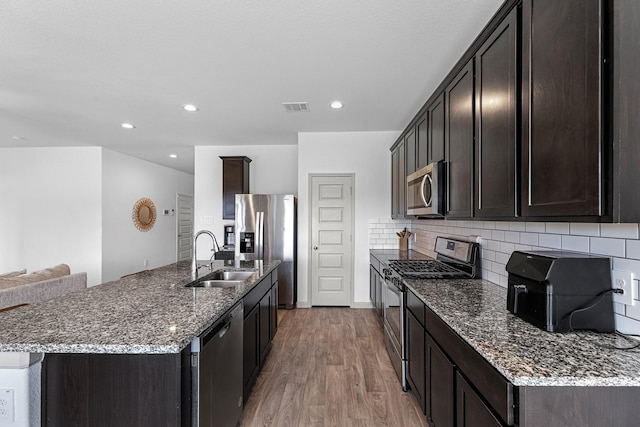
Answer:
(359, 304)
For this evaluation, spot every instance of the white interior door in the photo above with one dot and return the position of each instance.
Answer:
(331, 239)
(184, 226)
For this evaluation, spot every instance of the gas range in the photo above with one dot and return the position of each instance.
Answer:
(455, 259)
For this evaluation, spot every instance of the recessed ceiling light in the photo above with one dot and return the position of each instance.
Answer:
(190, 107)
(18, 138)
(336, 105)
(173, 156)
(127, 125)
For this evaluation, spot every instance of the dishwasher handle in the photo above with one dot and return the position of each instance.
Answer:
(224, 330)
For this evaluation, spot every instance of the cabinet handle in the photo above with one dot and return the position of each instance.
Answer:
(315, 248)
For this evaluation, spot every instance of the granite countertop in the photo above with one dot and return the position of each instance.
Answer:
(149, 312)
(526, 355)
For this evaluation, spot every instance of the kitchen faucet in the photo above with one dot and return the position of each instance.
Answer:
(194, 261)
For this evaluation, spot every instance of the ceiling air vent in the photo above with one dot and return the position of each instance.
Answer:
(296, 107)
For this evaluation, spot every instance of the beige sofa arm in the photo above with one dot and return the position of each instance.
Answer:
(41, 291)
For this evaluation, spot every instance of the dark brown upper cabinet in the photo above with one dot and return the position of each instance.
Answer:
(435, 114)
(411, 152)
(422, 141)
(235, 180)
(571, 151)
(429, 136)
(496, 117)
(625, 51)
(459, 128)
(398, 181)
(562, 171)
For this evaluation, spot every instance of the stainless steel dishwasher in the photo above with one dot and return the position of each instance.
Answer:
(216, 364)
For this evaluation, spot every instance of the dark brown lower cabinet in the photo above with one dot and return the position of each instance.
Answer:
(260, 325)
(372, 285)
(435, 379)
(116, 390)
(471, 410)
(274, 309)
(415, 355)
(462, 389)
(375, 290)
(250, 350)
(265, 326)
(440, 373)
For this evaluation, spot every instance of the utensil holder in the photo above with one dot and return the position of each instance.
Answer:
(404, 244)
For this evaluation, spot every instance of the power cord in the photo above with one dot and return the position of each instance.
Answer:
(627, 337)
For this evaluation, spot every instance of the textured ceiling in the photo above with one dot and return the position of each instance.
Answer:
(73, 70)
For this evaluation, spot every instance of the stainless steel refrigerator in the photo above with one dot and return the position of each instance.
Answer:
(266, 228)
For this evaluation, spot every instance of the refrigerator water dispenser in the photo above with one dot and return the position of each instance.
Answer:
(247, 243)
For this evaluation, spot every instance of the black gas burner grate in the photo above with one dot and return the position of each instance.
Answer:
(425, 269)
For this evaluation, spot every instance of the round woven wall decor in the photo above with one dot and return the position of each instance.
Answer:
(144, 214)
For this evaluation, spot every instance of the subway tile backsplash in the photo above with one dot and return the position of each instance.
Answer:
(382, 233)
(500, 238)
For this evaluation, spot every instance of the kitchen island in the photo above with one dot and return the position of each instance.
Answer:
(119, 353)
(150, 312)
(507, 368)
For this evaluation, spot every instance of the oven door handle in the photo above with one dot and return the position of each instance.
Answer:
(426, 178)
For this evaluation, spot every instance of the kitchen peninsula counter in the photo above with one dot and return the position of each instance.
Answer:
(525, 355)
(150, 312)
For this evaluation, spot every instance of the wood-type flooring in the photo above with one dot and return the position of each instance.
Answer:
(329, 367)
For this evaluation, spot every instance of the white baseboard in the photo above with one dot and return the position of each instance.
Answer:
(361, 304)
(353, 305)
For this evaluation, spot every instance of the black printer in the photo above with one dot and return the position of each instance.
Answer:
(561, 291)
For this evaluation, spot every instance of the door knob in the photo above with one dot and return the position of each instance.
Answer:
(315, 248)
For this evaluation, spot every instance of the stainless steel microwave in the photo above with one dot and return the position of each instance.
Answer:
(425, 191)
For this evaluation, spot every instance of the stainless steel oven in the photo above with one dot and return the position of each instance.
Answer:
(393, 319)
(455, 259)
(425, 191)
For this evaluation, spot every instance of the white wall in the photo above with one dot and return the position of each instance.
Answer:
(273, 170)
(73, 205)
(51, 209)
(126, 179)
(365, 154)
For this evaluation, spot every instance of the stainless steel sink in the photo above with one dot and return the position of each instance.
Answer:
(222, 279)
(231, 275)
(216, 283)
